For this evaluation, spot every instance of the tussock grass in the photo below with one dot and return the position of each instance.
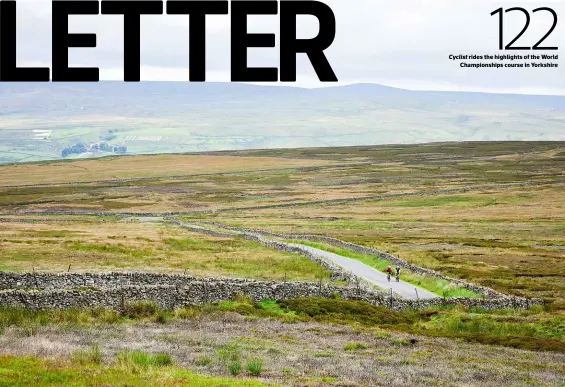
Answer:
(235, 368)
(139, 309)
(83, 357)
(139, 360)
(229, 353)
(354, 347)
(254, 367)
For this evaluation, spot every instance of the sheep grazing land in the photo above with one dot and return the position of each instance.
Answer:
(213, 270)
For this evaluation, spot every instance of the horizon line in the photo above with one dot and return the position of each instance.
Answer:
(447, 89)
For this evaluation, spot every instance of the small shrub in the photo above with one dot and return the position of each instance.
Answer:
(138, 360)
(244, 299)
(381, 334)
(231, 352)
(424, 354)
(139, 309)
(110, 317)
(354, 347)
(337, 310)
(188, 313)
(161, 317)
(162, 359)
(234, 368)
(97, 312)
(254, 367)
(401, 342)
(92, 355)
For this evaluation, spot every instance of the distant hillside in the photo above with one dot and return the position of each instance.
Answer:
(160, 117)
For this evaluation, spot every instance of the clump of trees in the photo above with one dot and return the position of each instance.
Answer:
(77, 148)
(120, 149)
(103, 146)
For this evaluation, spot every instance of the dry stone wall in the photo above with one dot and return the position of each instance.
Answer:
(114, 290)
(51, 281)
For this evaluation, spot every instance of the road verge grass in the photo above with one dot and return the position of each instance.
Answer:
(438, 286)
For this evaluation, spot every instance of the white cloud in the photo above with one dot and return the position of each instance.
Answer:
(403, 43)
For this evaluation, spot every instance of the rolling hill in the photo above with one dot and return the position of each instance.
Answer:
(38, 121)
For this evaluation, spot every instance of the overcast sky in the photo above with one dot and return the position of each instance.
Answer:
(403, 43)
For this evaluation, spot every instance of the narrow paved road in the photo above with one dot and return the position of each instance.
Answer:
(361, 270)
(370, 274)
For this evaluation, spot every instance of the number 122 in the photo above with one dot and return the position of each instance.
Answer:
(525, 12)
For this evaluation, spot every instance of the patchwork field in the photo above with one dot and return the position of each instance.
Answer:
(492, 214)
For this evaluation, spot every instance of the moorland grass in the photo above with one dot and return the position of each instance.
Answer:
(142, 361)
(139, 166)
(147, 370)
(531, 329)
(254, 367)
(498, 235)
(543, 333)
(91, 355)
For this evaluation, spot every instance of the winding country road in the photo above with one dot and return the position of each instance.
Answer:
(355, 267)
(370, 274)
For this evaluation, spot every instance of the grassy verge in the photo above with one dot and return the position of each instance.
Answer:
(438, 286)
(531, 329)
(127, 370)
